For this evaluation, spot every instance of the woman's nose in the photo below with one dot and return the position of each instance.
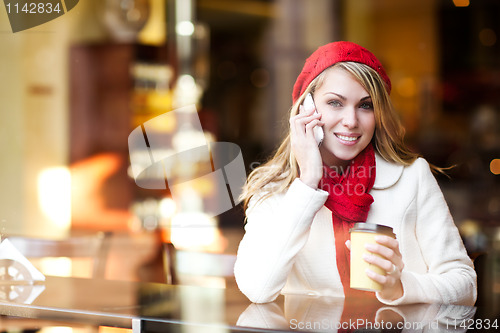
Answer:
(349, 118)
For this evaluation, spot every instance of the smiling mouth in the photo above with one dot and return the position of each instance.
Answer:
(347, 138)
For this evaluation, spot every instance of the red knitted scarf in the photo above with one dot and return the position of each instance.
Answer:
(349, 201)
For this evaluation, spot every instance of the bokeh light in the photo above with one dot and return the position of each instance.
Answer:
(495, 166)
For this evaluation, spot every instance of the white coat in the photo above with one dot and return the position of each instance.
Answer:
(289, 245)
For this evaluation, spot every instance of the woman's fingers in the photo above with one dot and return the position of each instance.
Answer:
(388, 242)
(302, 125)
(385, 252)
(392, 287)
(305, 147)
(388, 248)
(382, 279)
(385, 264)
(310, 126)
(313, 123)
(304, 119)
(302, 114)
(386, 255)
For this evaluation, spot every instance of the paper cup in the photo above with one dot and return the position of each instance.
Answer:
(361, 234)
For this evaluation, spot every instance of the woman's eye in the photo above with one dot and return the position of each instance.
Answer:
(367, 106)
(335, 104)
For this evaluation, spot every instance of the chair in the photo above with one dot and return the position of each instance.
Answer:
(95, 247)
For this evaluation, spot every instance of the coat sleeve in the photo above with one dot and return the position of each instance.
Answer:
(450, 276)
(277, 229)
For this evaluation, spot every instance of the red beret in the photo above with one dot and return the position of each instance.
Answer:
(328, 55)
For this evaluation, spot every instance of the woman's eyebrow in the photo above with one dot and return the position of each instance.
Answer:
(344, 98)
(338, 95)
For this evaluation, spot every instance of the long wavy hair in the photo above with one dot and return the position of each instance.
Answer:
(388, 139)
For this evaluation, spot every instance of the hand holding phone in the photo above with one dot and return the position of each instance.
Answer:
(317, 130)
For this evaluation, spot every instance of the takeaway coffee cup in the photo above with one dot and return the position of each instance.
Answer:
(361, 234)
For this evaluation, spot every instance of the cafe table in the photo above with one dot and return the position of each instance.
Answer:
(155, 307)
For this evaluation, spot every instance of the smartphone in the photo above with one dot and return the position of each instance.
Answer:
(317, 130)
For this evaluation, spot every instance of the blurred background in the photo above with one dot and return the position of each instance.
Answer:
(73, 89)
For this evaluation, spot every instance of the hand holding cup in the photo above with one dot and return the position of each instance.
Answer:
(376, 261)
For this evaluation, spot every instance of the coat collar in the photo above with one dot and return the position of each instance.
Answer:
(388, 173)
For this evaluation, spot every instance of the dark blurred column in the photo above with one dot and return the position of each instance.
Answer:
(300, 28)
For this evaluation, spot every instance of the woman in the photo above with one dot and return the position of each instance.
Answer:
(301, 204)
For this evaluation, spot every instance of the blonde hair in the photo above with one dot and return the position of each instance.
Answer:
(388, 139)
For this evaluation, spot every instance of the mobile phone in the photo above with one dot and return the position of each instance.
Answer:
(317, 130)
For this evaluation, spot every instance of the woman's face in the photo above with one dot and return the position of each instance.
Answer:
(347, 112)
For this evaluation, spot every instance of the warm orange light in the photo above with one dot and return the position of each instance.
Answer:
(495, 166)
(461, 3)
(54, 195)
(89, 208)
